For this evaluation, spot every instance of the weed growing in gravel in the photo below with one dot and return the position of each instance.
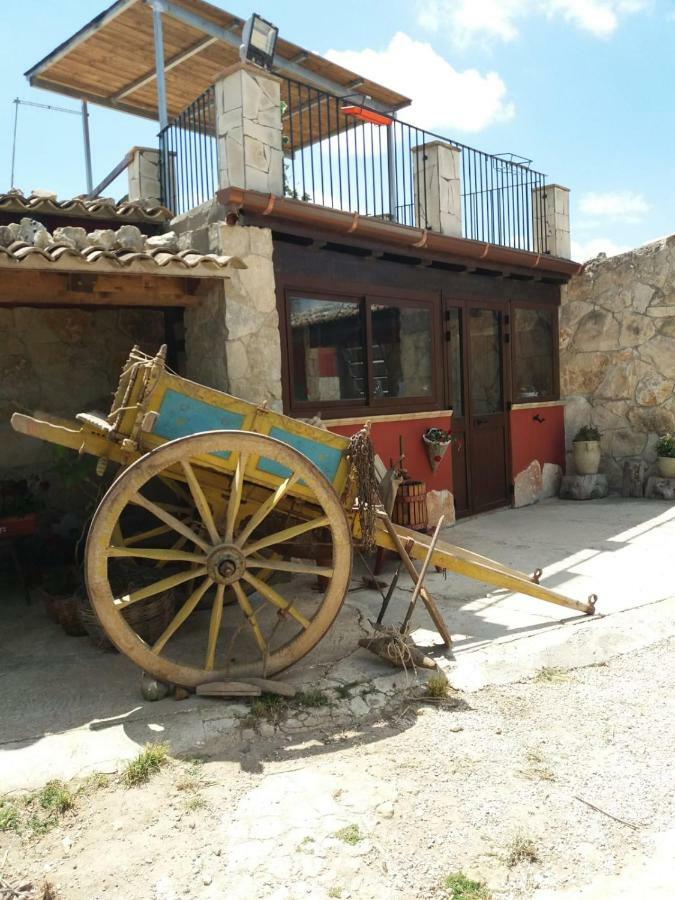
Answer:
(311, 699)
(437, 686)
(551, 674)
(271, 707)
(194, 803)
(460, 887)
(56, 798)
(9, 817)
(537, 768)
(95, 782)
(335, 892)
(48, 892)
(148, 762)
(350, 834)
(521, 849)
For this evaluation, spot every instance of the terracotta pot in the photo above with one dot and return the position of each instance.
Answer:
(666, 466)
(586, 457)
(18, 526)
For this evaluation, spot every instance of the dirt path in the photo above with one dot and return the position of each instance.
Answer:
(501, 787)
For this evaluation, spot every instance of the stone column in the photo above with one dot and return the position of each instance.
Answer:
(436, 178)
(551, 220)
(144, 176)
(248, 128)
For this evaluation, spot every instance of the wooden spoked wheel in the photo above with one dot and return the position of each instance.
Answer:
(220, 534)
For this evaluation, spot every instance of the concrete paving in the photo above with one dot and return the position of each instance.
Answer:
(68, 708)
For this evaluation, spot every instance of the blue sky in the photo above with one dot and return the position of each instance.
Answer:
(585, 88)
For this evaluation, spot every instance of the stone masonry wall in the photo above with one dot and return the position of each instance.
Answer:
(63, 361)
(232, 338)
(617, 353)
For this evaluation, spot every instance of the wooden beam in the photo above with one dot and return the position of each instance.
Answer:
(170, 64)
(49, 289)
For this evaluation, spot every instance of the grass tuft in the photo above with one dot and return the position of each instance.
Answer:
(312, 699)
(9, 817)
(335, 892)
(56, 798)
(148, 762)
(194, 802)
(49, 892)
(349, 835)
(437, 686)
(461, 887)
(521, 849)
(551, 675)
(271, 707)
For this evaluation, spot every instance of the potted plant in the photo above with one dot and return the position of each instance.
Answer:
(586, 450)
(665, 450)
(437, 441)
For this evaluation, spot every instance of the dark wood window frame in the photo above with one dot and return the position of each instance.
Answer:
(370, 405)
(555, 361)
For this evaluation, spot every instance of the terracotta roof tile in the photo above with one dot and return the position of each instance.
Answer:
(81, 208)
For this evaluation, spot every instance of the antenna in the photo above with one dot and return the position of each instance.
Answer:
(83, 112)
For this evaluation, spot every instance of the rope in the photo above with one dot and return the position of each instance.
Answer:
(361, 455)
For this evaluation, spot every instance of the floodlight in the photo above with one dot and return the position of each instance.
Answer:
(259, 38)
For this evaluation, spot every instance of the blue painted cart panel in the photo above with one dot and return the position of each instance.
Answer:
(326, 459)
(181, 415)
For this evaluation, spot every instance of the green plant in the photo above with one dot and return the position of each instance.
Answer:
(9, 817)
(437, 686)
(349, 835)
(550, 674)
(461, 887)
(56, 798)
(271, 707)
(587, 433)
(437, 435)
(148, 762)
(521, 849)
(335, 892)
(312, 698)
(665, 446)
(194, 803)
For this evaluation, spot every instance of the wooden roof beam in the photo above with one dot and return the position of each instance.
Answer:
(170, 64)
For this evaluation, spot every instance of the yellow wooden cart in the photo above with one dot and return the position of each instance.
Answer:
(248, 513)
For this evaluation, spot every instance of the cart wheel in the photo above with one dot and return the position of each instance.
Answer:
(303, 539)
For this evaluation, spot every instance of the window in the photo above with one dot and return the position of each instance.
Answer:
(360, 352)
(534, 354)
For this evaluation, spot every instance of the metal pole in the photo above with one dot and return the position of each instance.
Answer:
(87, 146)
(159, 66)
(16, 118)
(391, 172)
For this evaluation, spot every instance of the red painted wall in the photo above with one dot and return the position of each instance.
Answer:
(385, 436)
(531, 440)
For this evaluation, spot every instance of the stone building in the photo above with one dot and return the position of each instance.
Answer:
(390, 275)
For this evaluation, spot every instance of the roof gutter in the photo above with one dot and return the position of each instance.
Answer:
(348, 224)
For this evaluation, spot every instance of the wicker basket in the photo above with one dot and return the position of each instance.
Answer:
(148, 618)
(64, 610)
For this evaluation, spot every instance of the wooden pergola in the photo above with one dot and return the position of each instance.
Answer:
(153, 58)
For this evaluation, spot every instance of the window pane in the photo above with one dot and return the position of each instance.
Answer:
(328, 353)
(486, 361)
(402, 364)
(533, 354)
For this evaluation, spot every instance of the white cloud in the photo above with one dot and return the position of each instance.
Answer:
(617, 206)
(443, 97)
(467, 20)
(585, 250)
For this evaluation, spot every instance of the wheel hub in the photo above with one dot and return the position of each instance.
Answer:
(226, 564)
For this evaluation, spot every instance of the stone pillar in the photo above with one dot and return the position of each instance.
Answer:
(436, 178)
(144, 176)
(551, 220)
(248, 128)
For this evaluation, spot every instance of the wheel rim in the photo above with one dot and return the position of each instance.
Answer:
(222, 537)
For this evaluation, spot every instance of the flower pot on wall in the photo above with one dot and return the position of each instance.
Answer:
(586, 456)
(666, 466)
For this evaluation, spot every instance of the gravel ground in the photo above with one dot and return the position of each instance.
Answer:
(501, 784)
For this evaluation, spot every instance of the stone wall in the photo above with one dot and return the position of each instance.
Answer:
(232, 339)
(617, 353)
(63, 361)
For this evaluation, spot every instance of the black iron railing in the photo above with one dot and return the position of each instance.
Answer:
(189, 155)
(341, 154)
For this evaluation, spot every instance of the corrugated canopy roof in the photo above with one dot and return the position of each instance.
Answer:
(111, 61)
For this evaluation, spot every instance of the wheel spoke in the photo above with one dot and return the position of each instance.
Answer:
(170, 520)
(277, 565)
(168, 555)
(146, 535)
(175, 488)
(265, 509)
(249, 614)
(270, 594)
(214, 627)
(183, 613)
(158, 587)
(177, 545)
(201, 502)
(286, 535)
(235, 496)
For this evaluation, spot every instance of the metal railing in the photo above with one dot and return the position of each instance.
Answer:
(376, 168)
(189, 155)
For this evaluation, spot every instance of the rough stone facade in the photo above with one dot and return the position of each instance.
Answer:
(63, 361)
(617, 354)
(436, 168)
(232, 338)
